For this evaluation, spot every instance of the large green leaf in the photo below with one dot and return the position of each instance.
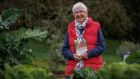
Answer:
(36, 34)
(9, 17)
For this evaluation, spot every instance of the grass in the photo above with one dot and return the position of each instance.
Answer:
(45, 57)
(39, 48)
(110, 55)
(112, 46)
(111, 58)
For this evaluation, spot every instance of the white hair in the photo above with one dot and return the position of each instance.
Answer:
(79, 6)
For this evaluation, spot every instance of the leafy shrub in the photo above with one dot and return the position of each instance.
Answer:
(119, 70)
(12, 42)
(13, 52)
(27, 72)
(53, 52)
(9, 17)
(13, 49)
(85, 73)
(134, 57)
(127, 48)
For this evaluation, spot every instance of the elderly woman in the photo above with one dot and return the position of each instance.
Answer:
(85, 36)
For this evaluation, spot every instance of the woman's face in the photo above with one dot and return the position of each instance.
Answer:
(80, 15)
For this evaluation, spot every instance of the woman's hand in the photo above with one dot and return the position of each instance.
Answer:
(84, 55)
(77, 57)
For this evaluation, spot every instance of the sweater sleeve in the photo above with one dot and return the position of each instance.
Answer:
(100, 46)
(66, 48)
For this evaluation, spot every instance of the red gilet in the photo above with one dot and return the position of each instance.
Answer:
(90, 35)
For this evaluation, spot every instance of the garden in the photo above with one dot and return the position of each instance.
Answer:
(32, 34)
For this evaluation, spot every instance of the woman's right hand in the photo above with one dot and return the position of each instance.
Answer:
(77, 57)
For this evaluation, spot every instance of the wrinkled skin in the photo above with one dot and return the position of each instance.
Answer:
(80, 15)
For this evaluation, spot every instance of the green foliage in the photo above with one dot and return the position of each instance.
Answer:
(111, 58)
(109, 55)
(111, 46)
(113, 18)
(13, 51)
(85, 73)
(134, 57)
(9, 17)
(132, 72)
(54, 54)
(117, 17)
(127, 46)
(119, 70)
(36, 34)
(131, 50)
(12, 43)
(48, 53)
(27, 72)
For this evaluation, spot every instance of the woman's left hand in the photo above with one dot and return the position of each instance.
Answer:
(84, 55)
